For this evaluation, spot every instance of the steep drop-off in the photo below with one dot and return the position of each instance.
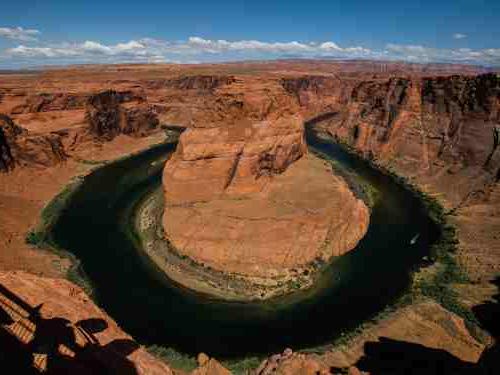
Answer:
(107, 118)
(440, 131)
(437, 124)
(248, 200)
(21, 147)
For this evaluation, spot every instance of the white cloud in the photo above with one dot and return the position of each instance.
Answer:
(217, 46)
(48, 52)
(18, 33)
(131, 48)
(461, 55)
(159, 50)
(459, 36)
(94, 47)
(197, 49)
(197, 44)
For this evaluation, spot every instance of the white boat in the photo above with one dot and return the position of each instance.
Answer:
(414, 239)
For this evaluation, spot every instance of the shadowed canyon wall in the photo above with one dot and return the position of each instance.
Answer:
(440, 131)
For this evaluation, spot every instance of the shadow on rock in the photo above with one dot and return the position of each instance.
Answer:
(31, 343)
(388, 356)
(489, 315)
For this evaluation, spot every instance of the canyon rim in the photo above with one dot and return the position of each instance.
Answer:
(242, 194)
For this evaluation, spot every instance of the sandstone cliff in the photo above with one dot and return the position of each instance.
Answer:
(441, 130)
(237, 199)
(21, 147)
(419, 120)
(63, 101)
(106, 117)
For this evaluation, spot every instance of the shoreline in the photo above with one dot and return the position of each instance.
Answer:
(432, 278)
(41, 236)
(230, 285)
(201, 279)
(445, 244)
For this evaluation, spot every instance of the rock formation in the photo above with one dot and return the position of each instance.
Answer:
(248, 200)
(104, 114)
(439, 130)
(63, 101)
(231, 160)
(8, 131)
(436, 124)
(199, 82)
(290, 363)
(140, 121)
(44, 312)
(107, 118)
(209, 366)
(20, 147)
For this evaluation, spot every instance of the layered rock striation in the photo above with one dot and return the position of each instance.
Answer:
(107, 118)
(438, 130)
(248, 200)
(21, 147)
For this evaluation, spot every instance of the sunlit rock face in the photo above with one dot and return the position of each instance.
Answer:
(249, 199)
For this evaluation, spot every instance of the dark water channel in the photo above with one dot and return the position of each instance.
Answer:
(355, 287)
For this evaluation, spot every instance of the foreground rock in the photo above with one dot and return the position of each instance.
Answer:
(54, 321)
(209, 366)
(400, 344)
(237, 200)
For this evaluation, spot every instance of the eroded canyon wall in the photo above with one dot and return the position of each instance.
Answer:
(440, 131)
(21, 147)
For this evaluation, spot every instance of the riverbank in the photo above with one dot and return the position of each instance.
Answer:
(234, 286)
(26, 191)
(202, 312)
(436, 278)
(41, 236)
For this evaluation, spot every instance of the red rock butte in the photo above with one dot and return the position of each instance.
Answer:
(248, 199)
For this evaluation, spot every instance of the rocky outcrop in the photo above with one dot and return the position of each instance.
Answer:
(308, 90)
(8, 131)
(61, 101)
(248, 201)
(104, 114)
(42, 150)
(290, 363)
(200, 82)
(107, 118)
(140, 121)
(20, 147)
(451, 346)
(439, 130)
(233, 160)
(55, 317)
(47, 102)
(209, 366)
(6, 159)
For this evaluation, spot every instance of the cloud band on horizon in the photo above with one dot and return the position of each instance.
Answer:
(197, 49)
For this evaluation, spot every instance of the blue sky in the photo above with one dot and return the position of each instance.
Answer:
(64, 32)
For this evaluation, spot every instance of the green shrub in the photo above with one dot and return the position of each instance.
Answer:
(242, 366)
(35, 238)
(173, 358)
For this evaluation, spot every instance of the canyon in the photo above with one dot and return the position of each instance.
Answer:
(242, 194)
